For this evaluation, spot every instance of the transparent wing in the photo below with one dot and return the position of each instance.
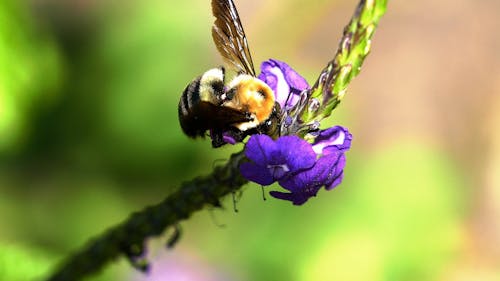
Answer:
(229, 37)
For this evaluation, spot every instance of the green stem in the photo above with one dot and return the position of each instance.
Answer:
(129, 237)
(354, 46)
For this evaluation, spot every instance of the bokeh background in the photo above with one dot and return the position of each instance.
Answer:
(89, 134)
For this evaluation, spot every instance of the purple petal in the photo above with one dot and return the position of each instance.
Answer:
(277, 158)
(297, 153)
(336, 181)
(275, 78)
(304, 180)
(260, 149)
(336, 170)
(314, 177)
(293, 79)
(331, 140)
(256, 173)
(267, 76)
(296, 198)
(324, 173)
(286, 83)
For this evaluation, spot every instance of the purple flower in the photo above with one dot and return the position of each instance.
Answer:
(299, 167)
(286, 83)
(272, 160)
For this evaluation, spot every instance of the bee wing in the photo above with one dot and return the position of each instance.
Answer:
(229, 36)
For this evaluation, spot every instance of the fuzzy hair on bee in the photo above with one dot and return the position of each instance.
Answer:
(249, 94)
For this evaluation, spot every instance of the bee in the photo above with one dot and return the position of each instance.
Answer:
(229, 110)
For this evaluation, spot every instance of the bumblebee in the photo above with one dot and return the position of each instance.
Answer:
(232, 110)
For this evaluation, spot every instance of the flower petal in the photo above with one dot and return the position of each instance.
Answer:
(327, 171)
(314, 177)
(305, 180)
(286, 83)
(275, 160)
(297, 153)
(336, 171)
(260, 149)
(267, 75)
(332, 140)
(336, 181)
(293, 79)
(256, 173)
(296, 198)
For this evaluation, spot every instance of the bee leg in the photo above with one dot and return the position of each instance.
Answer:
(231, 135)
(236, 134)
(217, 139)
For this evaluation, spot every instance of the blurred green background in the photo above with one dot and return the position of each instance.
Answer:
(89, 134)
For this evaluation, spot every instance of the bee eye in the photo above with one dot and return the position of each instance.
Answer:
(230, 94)
(218, 88)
